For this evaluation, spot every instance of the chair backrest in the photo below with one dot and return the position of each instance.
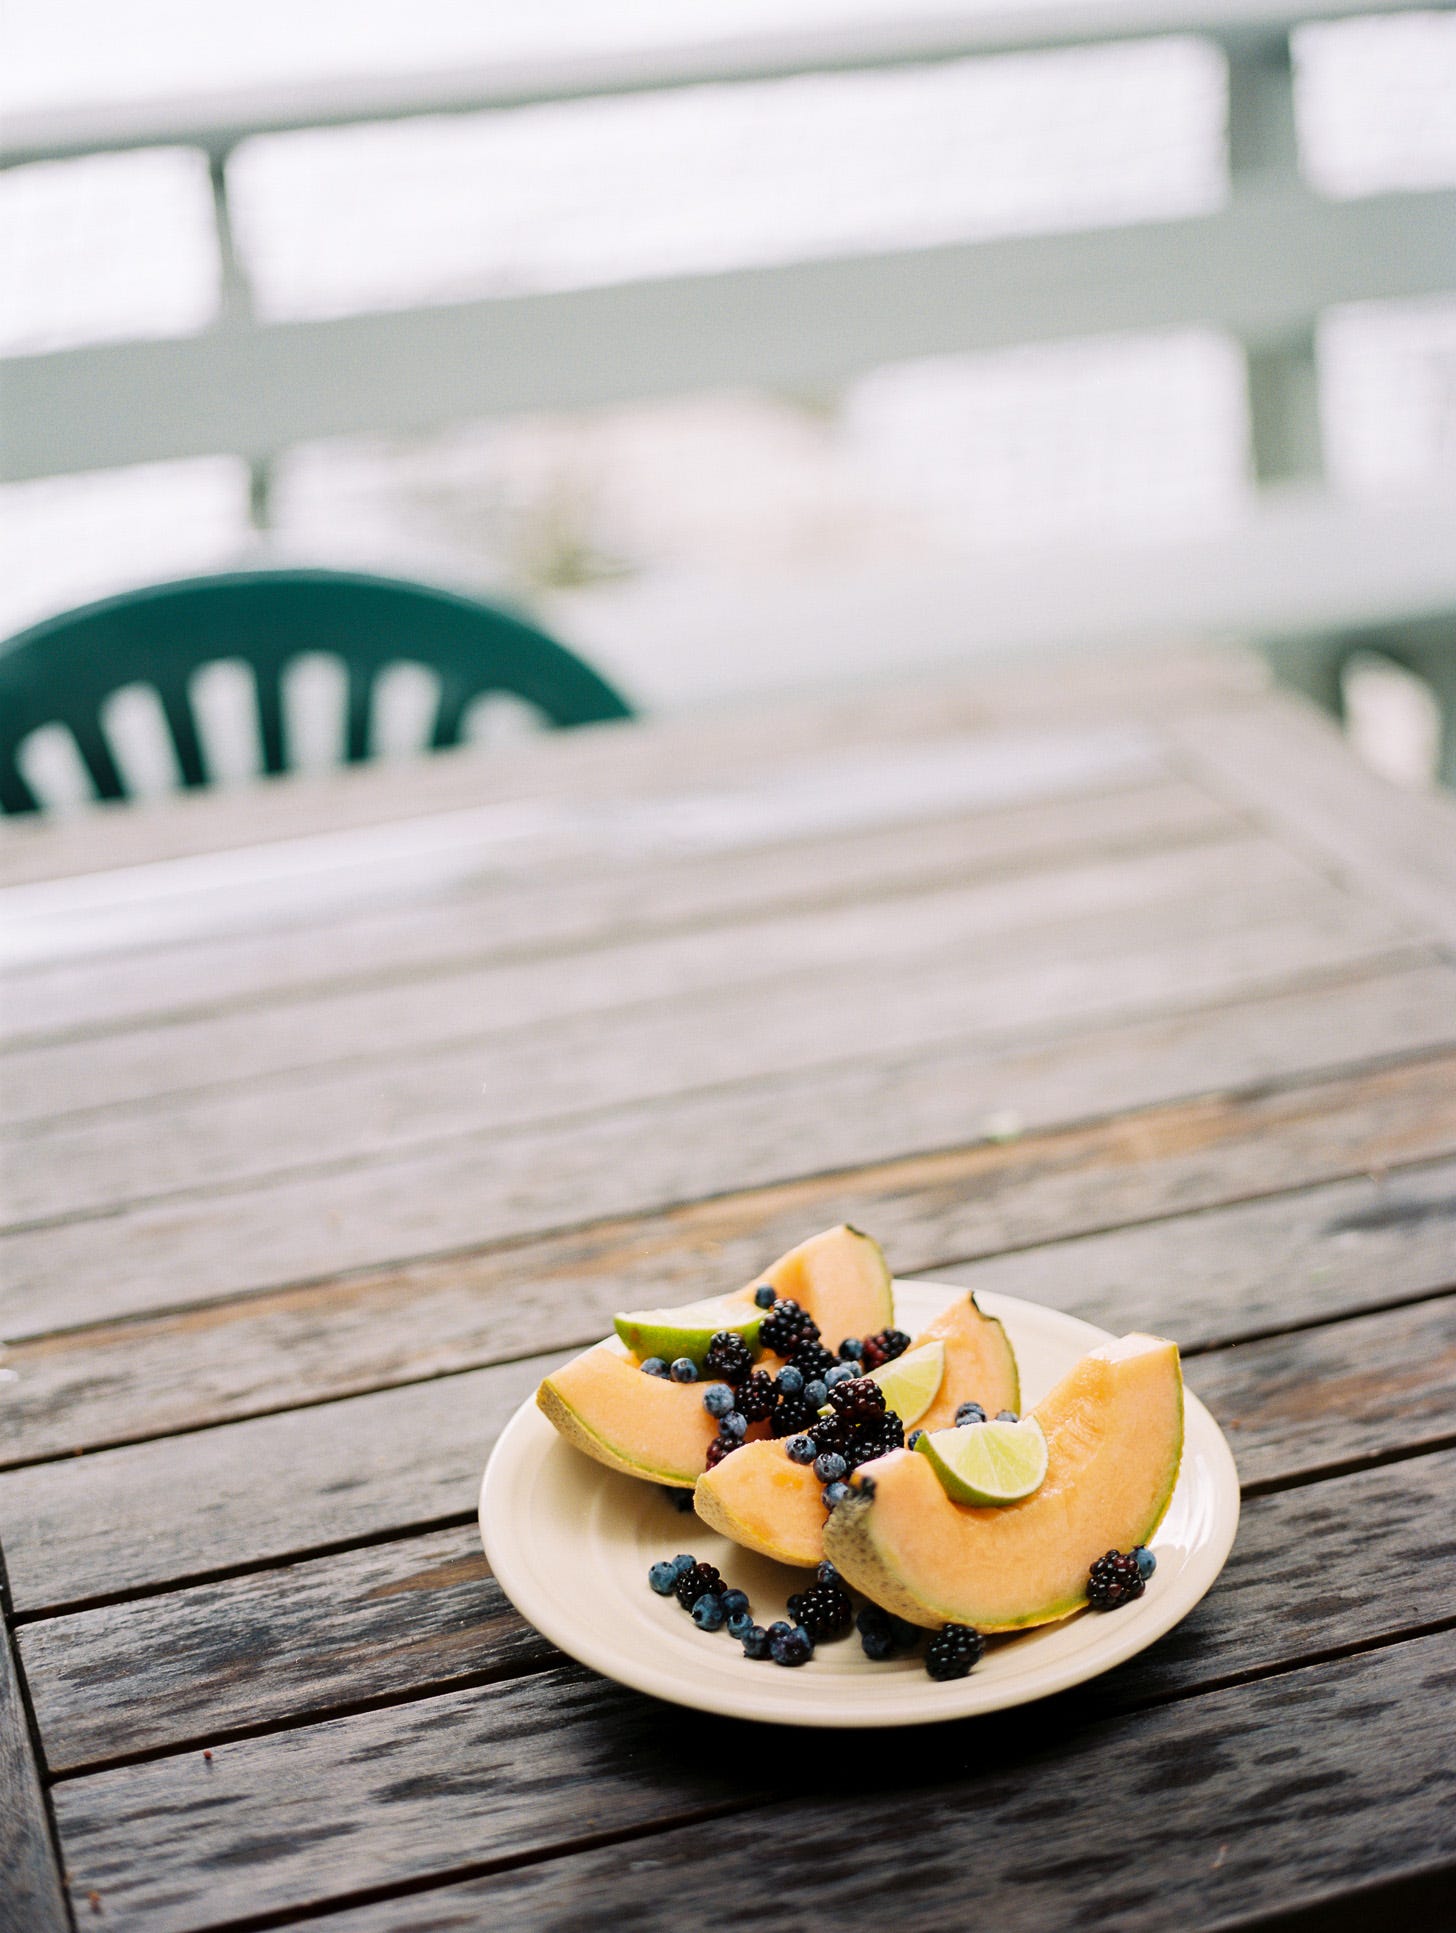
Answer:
(63, 671)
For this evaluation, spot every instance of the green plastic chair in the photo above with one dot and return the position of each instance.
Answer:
(61, 672)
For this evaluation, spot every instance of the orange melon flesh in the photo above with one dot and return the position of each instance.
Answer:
(980, 1364)
(641, 1425)
(765, 1502)
(1114, 1430)
(841, 1278)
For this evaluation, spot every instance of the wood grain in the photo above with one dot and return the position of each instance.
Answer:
(645, 1159)
(31, 1897)
(1217, 1274)
(1278, 1792)
(523, 1080)
(1316, 1569)
(635, 760)
(541, 914)
(180, 1508)
(1286, 762)
(1112, 907)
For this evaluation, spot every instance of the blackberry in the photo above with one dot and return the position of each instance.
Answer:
(884, 1347)
(952, 1651)
(857, 1399)
(720, 1447)
(757, 1396)
(832, 1435)
(792, 1415)
(825, 1612)
(876, 1437)
(698, 1581)
(786, 1327)
(1113, 1580)
(728, 1356)
(813, 1361)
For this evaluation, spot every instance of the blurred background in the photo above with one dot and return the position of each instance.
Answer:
(752, 346)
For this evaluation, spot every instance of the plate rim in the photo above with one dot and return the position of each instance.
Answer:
(1156, 1618)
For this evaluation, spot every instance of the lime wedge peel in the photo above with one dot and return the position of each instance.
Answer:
(912, 1381)
(687, 1331)
(988, 1464)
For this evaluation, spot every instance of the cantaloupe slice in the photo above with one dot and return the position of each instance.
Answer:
(980, 1364)
(841, 1278)
(644, 1426)
(762, 1500)
(1114, 1430)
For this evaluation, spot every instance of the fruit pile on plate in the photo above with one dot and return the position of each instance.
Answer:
(802, 1424)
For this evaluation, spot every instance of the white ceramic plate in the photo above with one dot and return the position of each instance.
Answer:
(571, 1542)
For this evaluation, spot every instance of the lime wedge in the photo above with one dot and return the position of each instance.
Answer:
(911, 1381)
(687, 1331)
(988, 1463)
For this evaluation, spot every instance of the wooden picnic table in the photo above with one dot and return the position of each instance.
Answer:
(335, 1111)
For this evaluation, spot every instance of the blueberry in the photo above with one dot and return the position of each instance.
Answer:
(816, 1393)
(684, 1370)
(683, 1562)
(654, 1366)
(1007, 1416)
(852, 1349)
(755, 1641)
(708, 1612)
(864, 1485)
(740, 1623)
(829, 1467)
(663, 1576)
(802, 1449)
(780, 1628)
(681, 1500)
(789, 1380)
(913, 1438)
(718, 1399)
(877, 1643)
(826, 1574)
(834, 1494)
(841, 1373)
(970, 1413)
(795, 1647)
(734, 1426)
(1146, 1562)
(882, 1634)
(764, 1296)
(734, 1602)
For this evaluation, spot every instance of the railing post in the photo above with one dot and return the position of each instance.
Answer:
(237, 308)
(1283, 378)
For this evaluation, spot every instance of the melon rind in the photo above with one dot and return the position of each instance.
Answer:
(643, 1426)
(1114, 1428)
(760, 1498)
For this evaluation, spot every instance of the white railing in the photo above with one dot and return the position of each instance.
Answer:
(1263, 267)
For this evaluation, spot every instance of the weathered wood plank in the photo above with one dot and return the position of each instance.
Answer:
(1110, 907)
(653, 1052)
(1285, 761)
(641, 1160)
(1215, 1275)
(31, 1896)
(1231, 1273)
(644, 758)
(1279, 1795)
(331, 1633)
(1316, 1569)
(532, 913)
(181, 1508)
